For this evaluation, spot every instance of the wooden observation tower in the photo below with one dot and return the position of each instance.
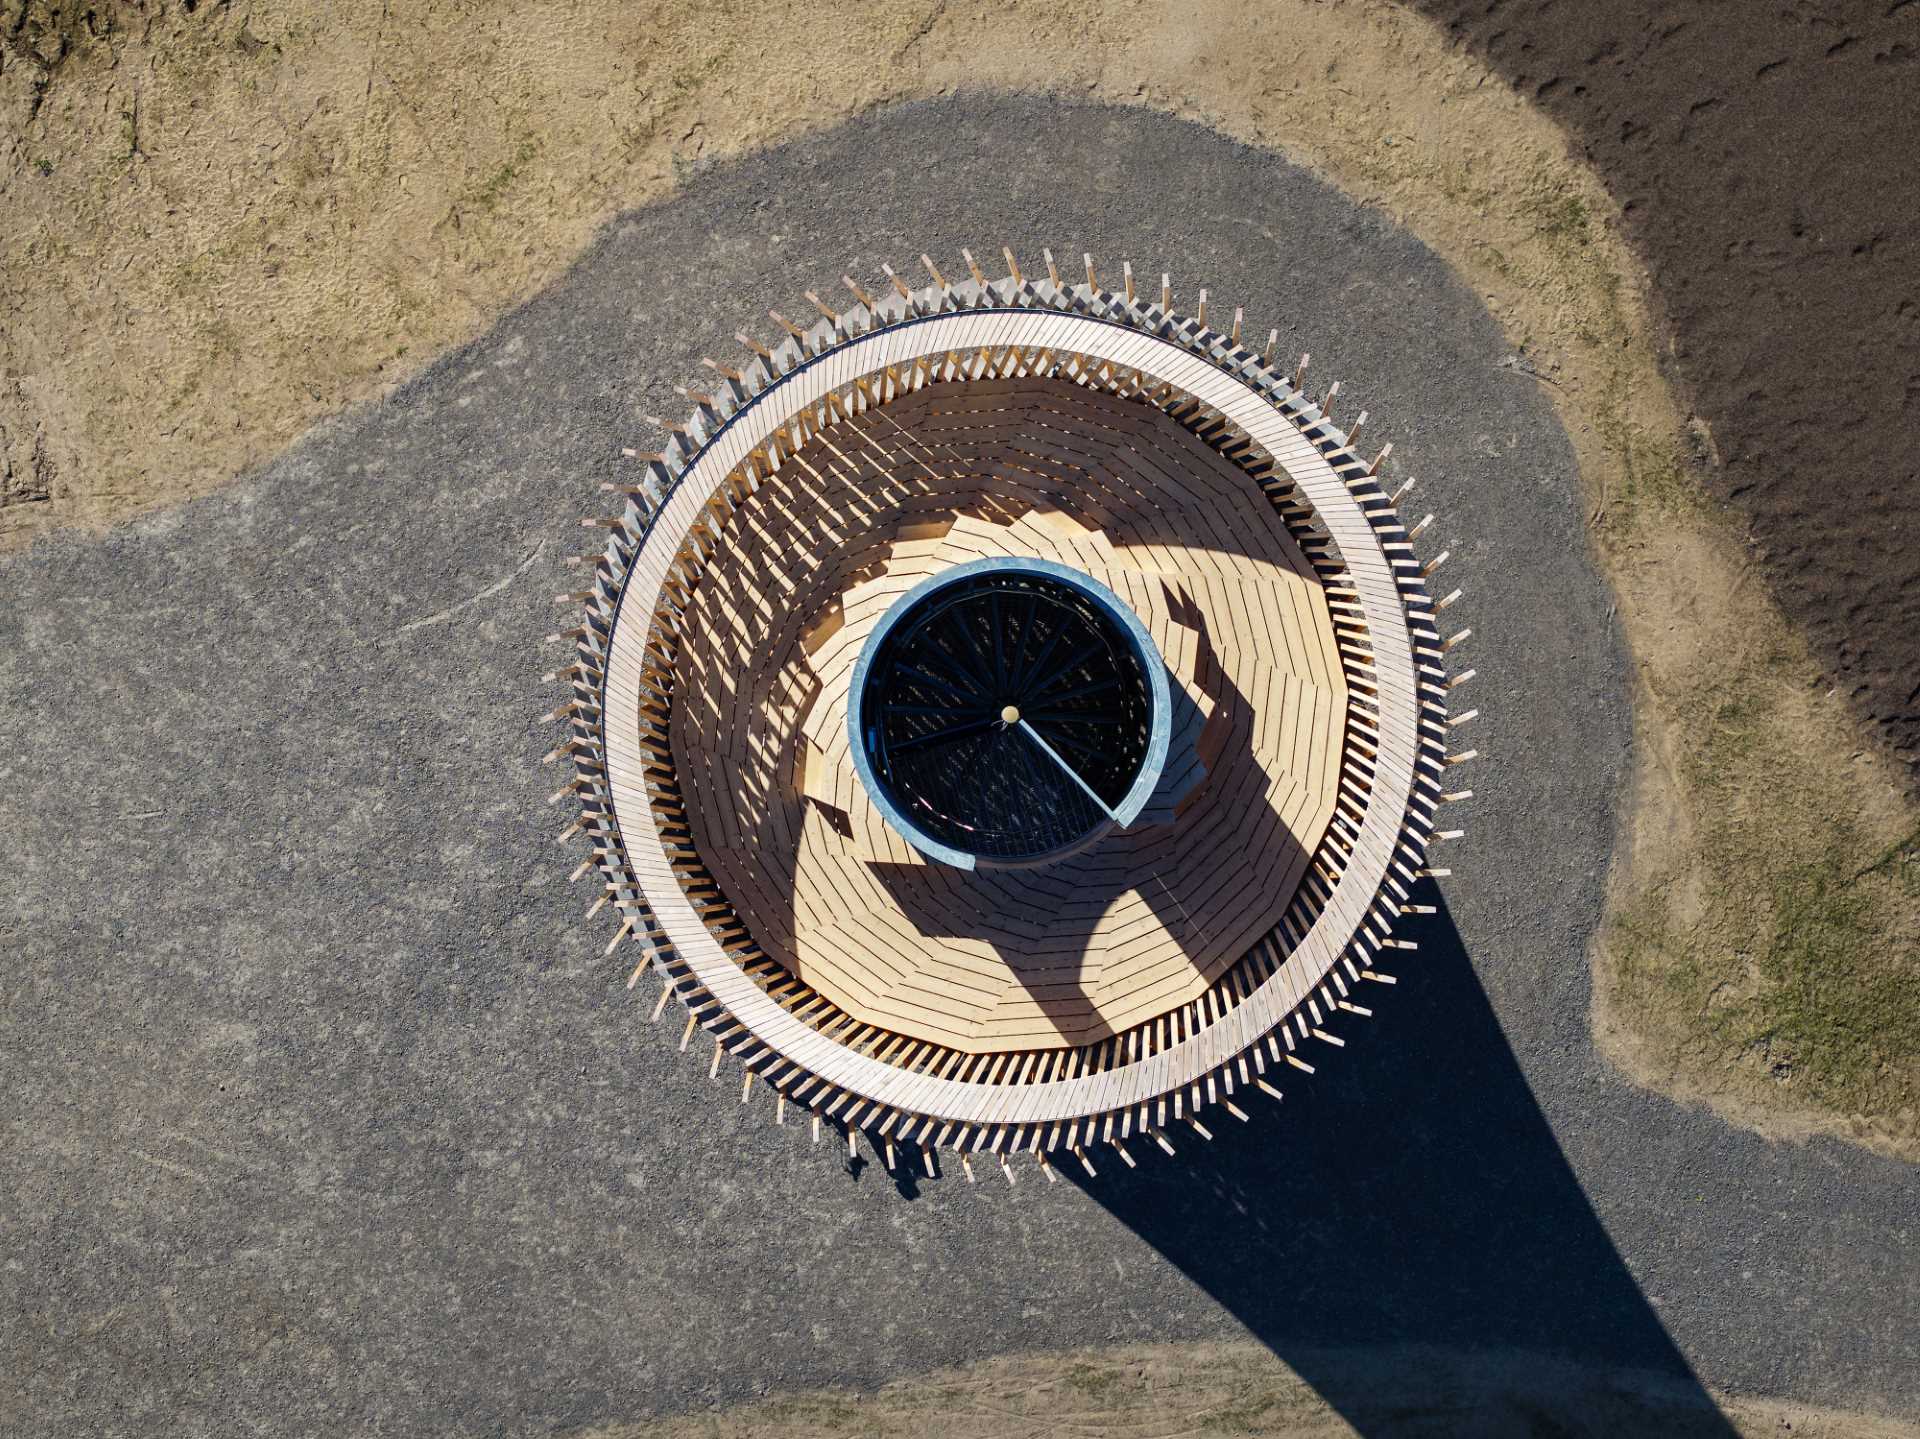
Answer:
(1009, 718)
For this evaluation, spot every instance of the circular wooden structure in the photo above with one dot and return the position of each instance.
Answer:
(1169, 962)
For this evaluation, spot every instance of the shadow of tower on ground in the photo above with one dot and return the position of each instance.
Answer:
(1410, 1196)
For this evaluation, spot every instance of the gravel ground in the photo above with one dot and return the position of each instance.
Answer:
(328, 1117)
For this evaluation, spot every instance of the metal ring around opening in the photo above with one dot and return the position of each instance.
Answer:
(935, 722)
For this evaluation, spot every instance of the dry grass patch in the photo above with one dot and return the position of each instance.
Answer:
(1236, 1391)
(1764, 945)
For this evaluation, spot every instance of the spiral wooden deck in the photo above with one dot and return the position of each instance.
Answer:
(1162, 969)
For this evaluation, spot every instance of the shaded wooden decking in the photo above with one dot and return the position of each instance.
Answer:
(1136, 926)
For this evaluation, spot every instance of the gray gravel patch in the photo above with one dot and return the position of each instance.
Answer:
(328, 1117)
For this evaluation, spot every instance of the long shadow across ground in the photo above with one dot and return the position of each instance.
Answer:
(1411, 1195)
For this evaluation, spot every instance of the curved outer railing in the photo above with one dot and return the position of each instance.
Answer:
(852, 355)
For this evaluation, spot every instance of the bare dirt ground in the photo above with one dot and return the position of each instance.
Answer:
(1206, 1390)
(1767, 163)
(1763, 161)
(223, 223)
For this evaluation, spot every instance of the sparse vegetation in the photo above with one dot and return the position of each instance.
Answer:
(1236, 1391)
(486, 194)
(1565, 218)
(1785, 951)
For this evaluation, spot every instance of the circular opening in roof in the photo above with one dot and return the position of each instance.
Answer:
(1008, 711)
